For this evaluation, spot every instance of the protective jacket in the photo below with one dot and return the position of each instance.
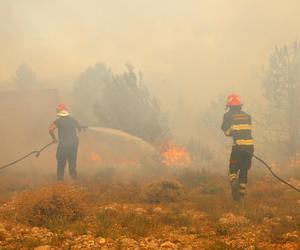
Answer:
(237, 124)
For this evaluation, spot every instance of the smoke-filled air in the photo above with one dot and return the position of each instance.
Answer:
(149, 125)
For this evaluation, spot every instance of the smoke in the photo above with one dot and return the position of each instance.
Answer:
(186, 46)
(190, 51)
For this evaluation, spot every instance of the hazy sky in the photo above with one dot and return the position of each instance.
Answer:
(193, 49)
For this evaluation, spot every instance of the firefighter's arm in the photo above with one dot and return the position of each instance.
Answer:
(51, 132)
(226, 125)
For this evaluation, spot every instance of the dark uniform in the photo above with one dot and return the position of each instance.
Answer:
(67, 144)
(237, 124)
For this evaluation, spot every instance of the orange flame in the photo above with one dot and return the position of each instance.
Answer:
(175, 155)
(295, 163)
(95, 157)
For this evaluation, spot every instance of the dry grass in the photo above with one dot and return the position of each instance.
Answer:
(193, 201)
(115, 224)
(53, 206)
(163, 191)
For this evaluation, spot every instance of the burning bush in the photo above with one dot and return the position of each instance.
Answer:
(175, 156)
(166, 190)
(51, 206)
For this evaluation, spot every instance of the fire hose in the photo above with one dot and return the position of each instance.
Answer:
(272, 172)
(38, 152)
(35, 152)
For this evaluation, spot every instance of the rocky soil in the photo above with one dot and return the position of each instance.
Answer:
(204, 218)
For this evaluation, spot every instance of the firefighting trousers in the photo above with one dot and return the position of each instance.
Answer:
(66, 154)
(240, 162)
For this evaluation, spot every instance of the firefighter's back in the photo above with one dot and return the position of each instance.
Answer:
(239, 127)
(67, 130)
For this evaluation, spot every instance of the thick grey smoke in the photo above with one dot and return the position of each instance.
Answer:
(189, 51)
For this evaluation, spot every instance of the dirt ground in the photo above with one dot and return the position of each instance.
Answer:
(186, 209)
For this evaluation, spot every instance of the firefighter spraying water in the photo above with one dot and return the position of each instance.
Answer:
(67, 127)
(237, 124)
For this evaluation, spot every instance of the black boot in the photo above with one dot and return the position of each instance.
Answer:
(235, 187)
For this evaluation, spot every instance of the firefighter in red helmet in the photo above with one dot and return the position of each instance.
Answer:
(68, 128)
(237, 124)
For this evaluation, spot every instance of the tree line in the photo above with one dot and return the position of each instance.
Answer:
(122, 101)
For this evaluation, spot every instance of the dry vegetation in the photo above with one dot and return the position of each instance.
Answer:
(189, 210)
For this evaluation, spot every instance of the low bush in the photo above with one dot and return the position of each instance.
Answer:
(52, 206)
(165, 190)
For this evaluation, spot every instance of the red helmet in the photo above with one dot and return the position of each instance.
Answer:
(61, 110)
(61, 107)
(233, 100)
